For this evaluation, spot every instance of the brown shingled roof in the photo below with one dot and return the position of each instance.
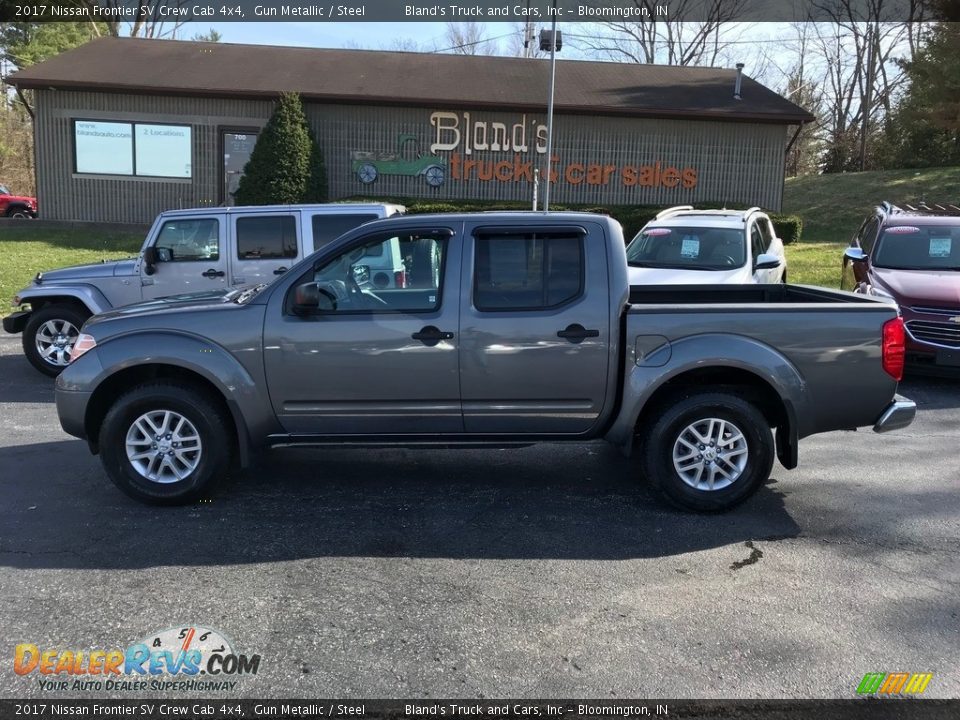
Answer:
(402, 78)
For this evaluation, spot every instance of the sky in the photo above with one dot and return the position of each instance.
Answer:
(373, 35)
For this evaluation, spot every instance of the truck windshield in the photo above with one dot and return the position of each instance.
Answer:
(927, 247)
(694, 248)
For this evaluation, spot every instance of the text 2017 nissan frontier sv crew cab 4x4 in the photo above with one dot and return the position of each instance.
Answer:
(511, 328)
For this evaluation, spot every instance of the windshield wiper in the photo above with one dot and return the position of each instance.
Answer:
(249, 293)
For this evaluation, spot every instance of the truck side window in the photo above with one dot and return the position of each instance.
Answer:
(327, 228)
(270, 237)
(189, 240)
(527, 271)
(400, 273)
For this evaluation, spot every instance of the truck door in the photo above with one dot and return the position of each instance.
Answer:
(263, 245)
(534, 329)
(370, 360)
(190, 257)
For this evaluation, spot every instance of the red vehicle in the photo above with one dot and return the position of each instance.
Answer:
(912, 255)
(16, 206)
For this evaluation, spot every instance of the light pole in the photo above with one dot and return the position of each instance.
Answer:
(555, 43)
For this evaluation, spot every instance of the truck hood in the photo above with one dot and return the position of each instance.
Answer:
(678, 276)
(107, 268)
(920, 287)
(210, 299)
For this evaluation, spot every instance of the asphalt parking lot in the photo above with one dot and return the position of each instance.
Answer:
(543, 572)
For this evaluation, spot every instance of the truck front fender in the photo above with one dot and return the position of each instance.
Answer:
(735, 356)
(131, 359)
(87, 295)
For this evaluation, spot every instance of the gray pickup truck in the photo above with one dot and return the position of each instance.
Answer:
(509, 329)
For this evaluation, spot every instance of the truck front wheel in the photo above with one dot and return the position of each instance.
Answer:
(708, 451)
(165, 444)
(49, 337)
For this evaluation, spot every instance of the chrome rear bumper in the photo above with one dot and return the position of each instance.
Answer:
(898, 414)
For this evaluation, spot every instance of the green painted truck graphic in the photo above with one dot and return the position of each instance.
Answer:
(409, 159)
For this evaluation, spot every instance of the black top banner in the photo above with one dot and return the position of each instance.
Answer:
(467, 11)
(484, 709)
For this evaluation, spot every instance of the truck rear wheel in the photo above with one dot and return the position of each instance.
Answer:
(165, 444)
(49, 337)
(708, 451)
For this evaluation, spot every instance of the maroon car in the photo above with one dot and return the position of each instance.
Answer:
(912, 255)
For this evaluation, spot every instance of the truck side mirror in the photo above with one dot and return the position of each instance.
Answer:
(309, 299)
(150, 259)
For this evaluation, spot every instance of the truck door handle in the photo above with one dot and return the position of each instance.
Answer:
(211, 273)
(576, 333)
(431, 335)
(280, 270)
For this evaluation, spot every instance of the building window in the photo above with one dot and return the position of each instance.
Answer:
(267, 238)
(139, 149)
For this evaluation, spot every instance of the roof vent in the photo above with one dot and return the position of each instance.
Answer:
(736, 89)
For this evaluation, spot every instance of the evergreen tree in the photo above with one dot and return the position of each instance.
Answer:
(925, 128)
(280, 162)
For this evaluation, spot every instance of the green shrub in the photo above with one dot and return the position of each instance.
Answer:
(280, 162)
(789, 228)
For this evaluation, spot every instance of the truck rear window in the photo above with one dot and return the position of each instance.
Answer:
(527, 272)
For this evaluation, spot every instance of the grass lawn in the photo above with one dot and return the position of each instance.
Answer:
(833, 206)
(815, 263)
(25, 251)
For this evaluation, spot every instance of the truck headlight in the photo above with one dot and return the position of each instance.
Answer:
(83, 344)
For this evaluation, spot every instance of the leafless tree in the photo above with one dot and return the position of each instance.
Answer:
(861, 50)
(674, 42)
(142, 24)
(468, 38)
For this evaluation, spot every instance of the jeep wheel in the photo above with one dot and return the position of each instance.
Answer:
(19, 214)
(708, 452)
(49, 337)
(165, 444)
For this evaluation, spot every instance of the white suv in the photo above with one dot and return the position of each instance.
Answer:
(683, 246)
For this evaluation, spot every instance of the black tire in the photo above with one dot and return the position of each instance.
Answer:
(57, 313)
(683, 411)
(214, 429)
(19, 214)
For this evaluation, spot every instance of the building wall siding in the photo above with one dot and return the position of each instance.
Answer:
(733, 162)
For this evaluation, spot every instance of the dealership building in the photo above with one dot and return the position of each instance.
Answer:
(126, 128)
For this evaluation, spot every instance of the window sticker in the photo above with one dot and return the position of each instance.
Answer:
(903, 230)
(940, 247)
(657, 232)
(690, 247)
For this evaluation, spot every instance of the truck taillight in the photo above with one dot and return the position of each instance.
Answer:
(894, 348)
(400, 279)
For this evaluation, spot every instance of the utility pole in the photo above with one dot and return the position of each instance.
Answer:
(554, 39)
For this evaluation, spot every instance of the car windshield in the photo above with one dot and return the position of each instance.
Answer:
(693, 248)
(923, 247)
(4, 190)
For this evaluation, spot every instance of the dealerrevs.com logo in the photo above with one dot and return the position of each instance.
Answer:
(177, 659)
